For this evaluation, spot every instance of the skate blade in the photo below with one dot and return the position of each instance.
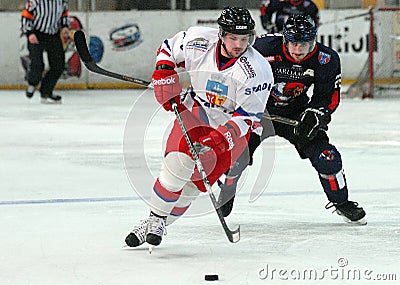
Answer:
(151, 247)
(49, 101)
(360, 222)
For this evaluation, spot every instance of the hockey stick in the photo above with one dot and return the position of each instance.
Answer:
(84, 54)
(280, 119)
(345, 18)
(233, 236)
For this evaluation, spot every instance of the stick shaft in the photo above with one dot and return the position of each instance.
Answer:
(233, 236)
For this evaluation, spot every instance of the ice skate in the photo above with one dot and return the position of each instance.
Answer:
(138, 235)
(350, 212)
(155, 229)
(51, 99)
(30, 90)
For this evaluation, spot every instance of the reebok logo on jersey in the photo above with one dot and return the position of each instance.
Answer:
(229, 139)
(164, 81)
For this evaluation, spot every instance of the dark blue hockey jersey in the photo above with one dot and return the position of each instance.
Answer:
(320, 68)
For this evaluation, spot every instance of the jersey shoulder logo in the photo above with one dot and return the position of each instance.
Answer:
(200, 44)
(324, 58)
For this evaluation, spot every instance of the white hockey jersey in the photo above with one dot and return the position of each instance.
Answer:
(238, 91)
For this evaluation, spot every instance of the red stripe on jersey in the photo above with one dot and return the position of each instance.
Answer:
(165, 52)
(332, 182)
(179, 211)
(335, 101)
(263, 10)
(164, 193)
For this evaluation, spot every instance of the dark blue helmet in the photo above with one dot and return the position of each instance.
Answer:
(299, 29)
(236, 20)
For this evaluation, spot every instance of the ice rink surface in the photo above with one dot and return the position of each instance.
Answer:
(66, 203)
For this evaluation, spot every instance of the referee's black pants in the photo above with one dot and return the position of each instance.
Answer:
(56, 57)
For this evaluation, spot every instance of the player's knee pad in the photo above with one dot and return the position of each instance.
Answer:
(328, 161)
(176, 170)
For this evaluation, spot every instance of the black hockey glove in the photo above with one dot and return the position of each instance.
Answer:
(311, 121)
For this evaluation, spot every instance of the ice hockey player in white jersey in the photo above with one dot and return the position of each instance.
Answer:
(231, 83)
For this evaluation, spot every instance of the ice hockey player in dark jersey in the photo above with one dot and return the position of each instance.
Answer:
(282, 10)
(298, 62)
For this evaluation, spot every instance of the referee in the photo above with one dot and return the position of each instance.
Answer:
(42, 21)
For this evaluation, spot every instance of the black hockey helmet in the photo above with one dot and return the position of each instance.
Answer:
(299, 29)
(236, 20)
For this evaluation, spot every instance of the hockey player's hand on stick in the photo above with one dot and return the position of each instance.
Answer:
(311, 121)
(200, 148)
(214, 140)
(222, 139)
(166, 87)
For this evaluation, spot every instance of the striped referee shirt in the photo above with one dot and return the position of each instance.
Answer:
(46, 16)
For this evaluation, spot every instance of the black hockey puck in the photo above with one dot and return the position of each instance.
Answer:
(211, 277)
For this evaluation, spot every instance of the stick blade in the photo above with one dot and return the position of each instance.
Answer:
(81, 47)
(234, 236)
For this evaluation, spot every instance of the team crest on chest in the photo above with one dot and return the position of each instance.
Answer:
(216, 92)
(324, 58)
